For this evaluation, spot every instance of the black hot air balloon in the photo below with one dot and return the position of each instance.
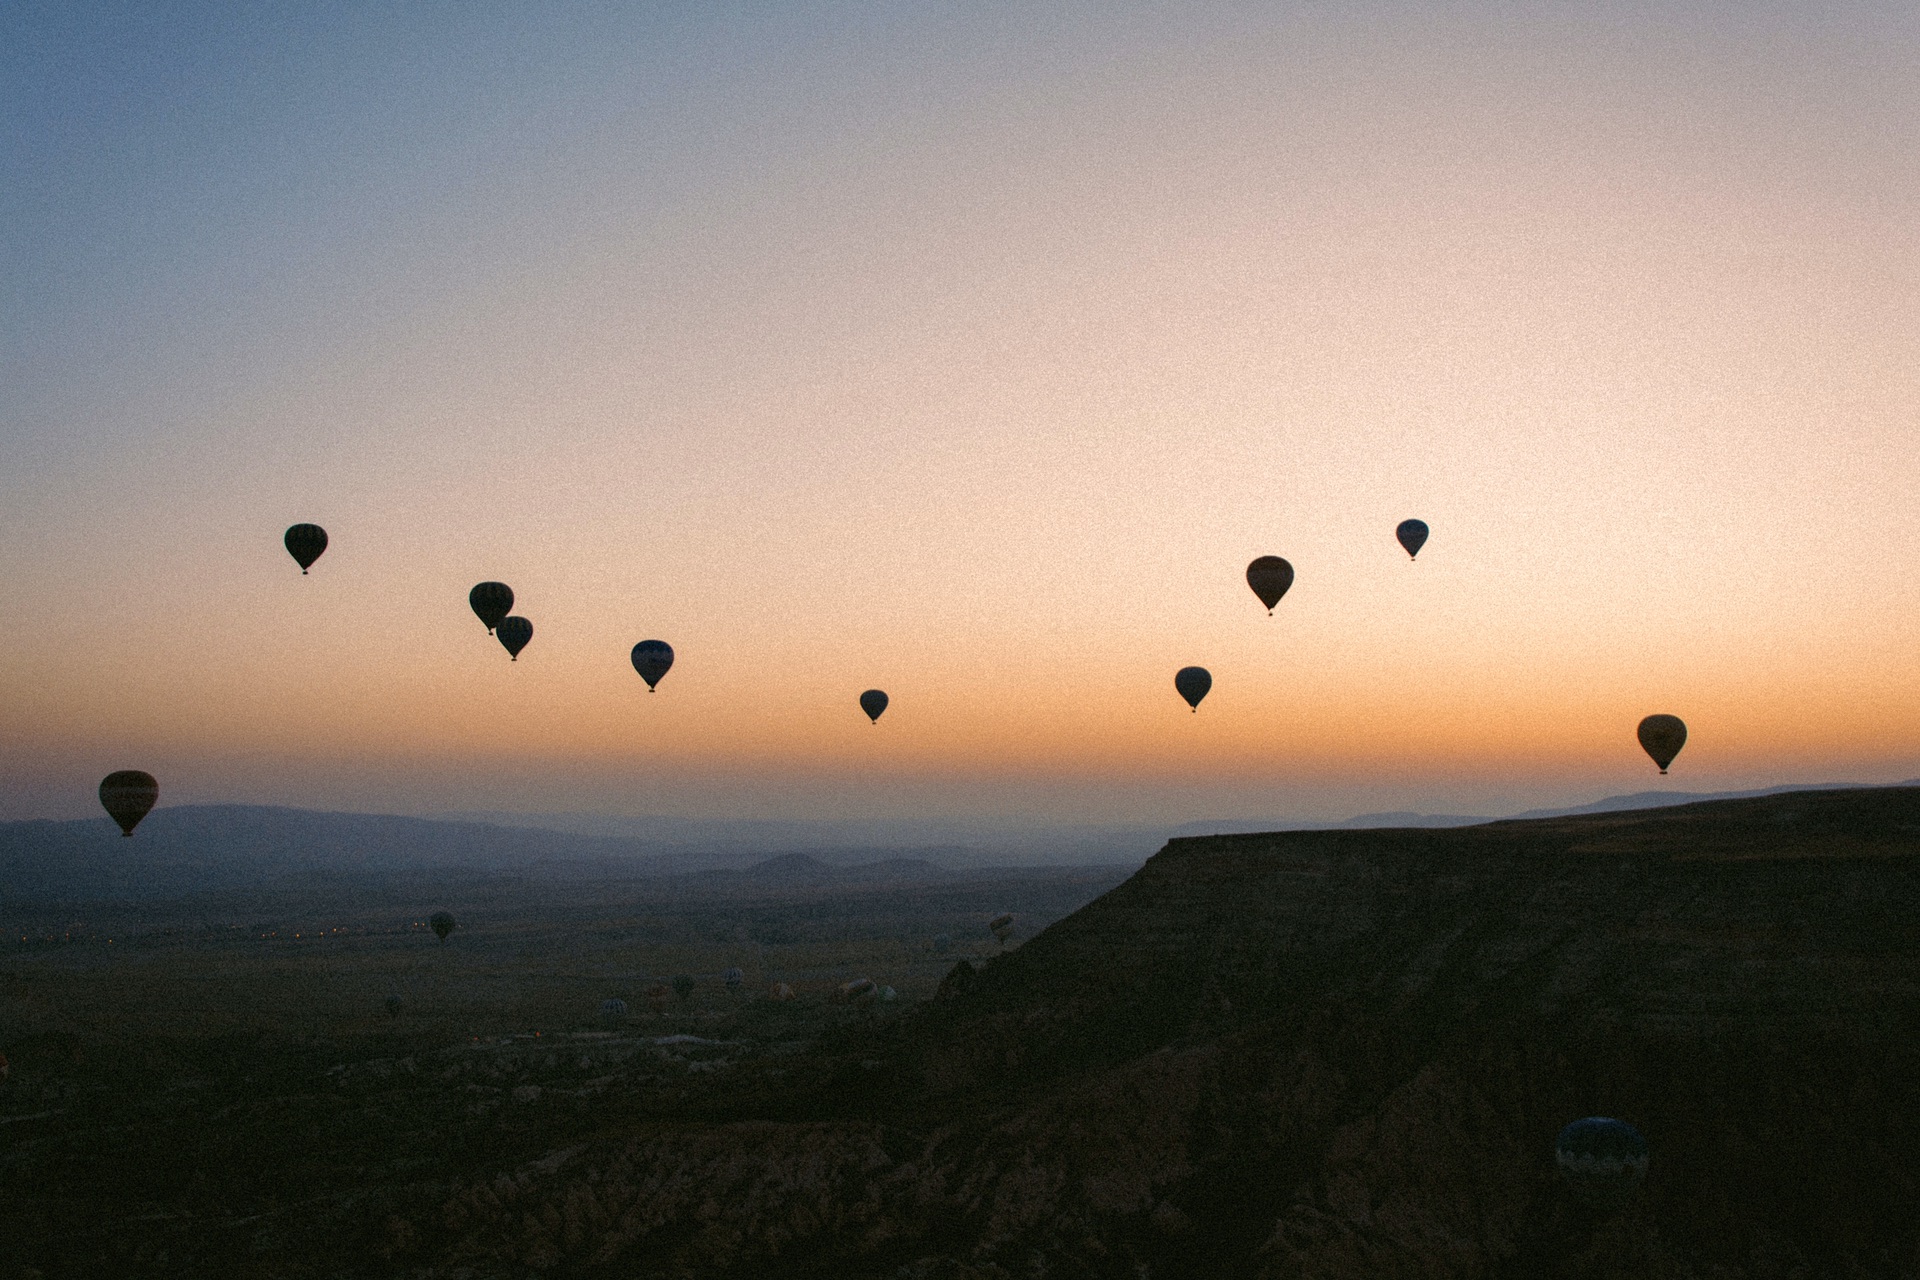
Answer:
(1270, 576)
(492, 601)
(441, 922)
(128, 796)
(1193, 683)
(873, 702)
(652, 659)
(1412, 535)
(1602, 1160)
(305, 542)
(1662, 737)
(513, 633)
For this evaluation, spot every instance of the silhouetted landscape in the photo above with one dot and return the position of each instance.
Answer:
(1323, 1053)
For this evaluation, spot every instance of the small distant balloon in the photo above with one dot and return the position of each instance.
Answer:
(513, 633)
(305, 542)
(858, 991)
(733, 978)
(1193, 683)
(492, 601)
(683, 986)
(780, 991)
(1602, 1160)
(441, 923)
(393, 1004)
(1662, 737)
(128, 796)
(614, 1010)
(1270, 576)
(1002, 926)
(652, 659)
(1412, 535)
(888, 993)
(657, 995)
(873, 702)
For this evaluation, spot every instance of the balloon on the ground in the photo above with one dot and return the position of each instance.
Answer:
(1002, 926)
(1270, 576)
(733, 978)
(492, 601)
(1193, 683)
(1412, 535)
(1662, 737)
(1603, 1160)
(873, 702)
(513, 633)
(305, 542)
(441, 922)
(652, 659)
(128, 795)
(613, 1010)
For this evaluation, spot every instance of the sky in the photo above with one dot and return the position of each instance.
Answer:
(970, 352)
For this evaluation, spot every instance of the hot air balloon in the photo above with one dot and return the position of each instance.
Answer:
(1193, 683)
(513, 633)
(393, 1003)
(1002, 926)
(1270, 576)
(657, 995)
(942, 943)
(614, 1010)
(683, 987)
(652, 659)
(1602, 1160)
(1412, 535)
(1662, 737)
(873, 702)
(128, 796)
(492, 601)
(859, 991)
(780, 991)
(888, 993)
(733, 978)
(441, 923)
(305, 542)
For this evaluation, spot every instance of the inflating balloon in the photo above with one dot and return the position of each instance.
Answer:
(492, 601)
(1662, 737)
(1602, 1160)
(1412, 535)
(441, 923)
(513, 633)
(652, 659)
(1270, 576)
(873, 702)
(1193, 683)
(128, 796)
(305, 542)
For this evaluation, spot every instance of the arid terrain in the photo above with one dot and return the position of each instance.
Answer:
(1307, 1054)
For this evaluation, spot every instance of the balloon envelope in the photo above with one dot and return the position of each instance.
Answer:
(1412, 535)
(1270, 576)
(613, 1010)
(305, 542)
(1603, 1160)
(1193, 683)
(733, 978)
(513, 633)
(873, 702)
(492, 601)
(652, 659)
(1662, 737)
(128, 796)
(441, 923)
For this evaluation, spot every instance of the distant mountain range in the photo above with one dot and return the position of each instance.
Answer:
(188, 850)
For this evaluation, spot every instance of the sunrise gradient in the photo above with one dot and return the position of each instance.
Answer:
(969, 354)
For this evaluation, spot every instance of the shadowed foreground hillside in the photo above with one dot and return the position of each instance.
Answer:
(1313, 1054)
